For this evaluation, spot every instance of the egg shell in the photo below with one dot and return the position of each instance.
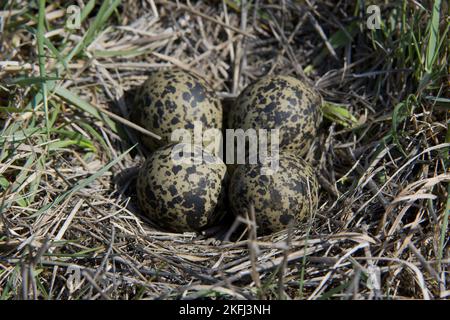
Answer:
(174, 99)
(290, 193)
(279, 102)
(181, 196)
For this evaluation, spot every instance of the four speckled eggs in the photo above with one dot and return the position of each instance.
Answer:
(190, 196)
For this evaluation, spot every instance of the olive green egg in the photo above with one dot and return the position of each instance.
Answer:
(180, 187)
(289, 193)
(279, 102)
(173, 99)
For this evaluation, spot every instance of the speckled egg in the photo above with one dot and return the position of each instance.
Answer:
(290, 193)
(182, 192)
(279, 102)
(174, 99)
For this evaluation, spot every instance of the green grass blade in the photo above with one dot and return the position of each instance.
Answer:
(11, 110)
(103, 14)
(41, 59)
(82, 143)
(397, 118)
(432, 48)
(338, 40)
(76, 101)
(87, 9)
(97, 136)
(27, 81)
(339, 114)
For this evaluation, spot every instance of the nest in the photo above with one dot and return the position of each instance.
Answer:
(70, 227)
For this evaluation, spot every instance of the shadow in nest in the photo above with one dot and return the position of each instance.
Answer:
(129, 136)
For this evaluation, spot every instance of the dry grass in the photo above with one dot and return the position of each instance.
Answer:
(69, 224)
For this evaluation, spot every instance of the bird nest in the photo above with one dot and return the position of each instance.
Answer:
(70, 227)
